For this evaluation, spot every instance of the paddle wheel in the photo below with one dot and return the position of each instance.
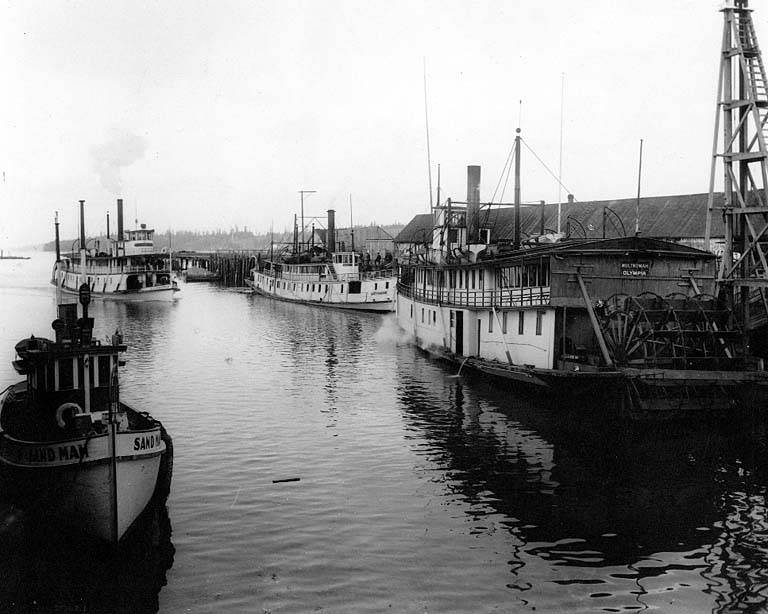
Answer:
(672, 332)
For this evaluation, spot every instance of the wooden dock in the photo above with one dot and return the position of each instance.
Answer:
(228, 268)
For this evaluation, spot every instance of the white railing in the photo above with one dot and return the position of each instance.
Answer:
(501, 297)
(115, 270)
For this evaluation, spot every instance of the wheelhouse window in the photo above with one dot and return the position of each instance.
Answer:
(66, 374)
(539, 319)
(526, 274)
(104, 368)
(520, 322)
(490, 321)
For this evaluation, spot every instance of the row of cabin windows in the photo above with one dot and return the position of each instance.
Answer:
(348, 259)
(324, 287)
(530, 274)
(428, 316)
(520, 321)
(67, 373)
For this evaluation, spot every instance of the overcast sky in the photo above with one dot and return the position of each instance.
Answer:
(205, 115)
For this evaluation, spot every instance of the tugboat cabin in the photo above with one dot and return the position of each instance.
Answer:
(69, 381)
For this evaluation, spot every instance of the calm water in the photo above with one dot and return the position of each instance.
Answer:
(418, 491)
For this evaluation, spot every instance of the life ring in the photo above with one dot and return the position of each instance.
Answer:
(76, 410)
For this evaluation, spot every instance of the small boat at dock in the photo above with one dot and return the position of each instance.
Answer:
(71, 452)
(4, 256)
(326, 277)
(129, 268)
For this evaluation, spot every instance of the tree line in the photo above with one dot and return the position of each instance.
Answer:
(236, 239)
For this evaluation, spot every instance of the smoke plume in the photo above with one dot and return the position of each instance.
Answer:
(119, 151)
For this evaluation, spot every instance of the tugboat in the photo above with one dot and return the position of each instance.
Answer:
(70, 451)
(327, 278)
(129, 269)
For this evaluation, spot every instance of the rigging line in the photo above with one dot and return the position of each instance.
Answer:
(508, 168)
(506, 180)
(549, 170)
(503, 170)
(426, 122)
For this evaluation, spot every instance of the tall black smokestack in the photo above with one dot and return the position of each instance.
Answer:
(473, 204)
(119, 219)
(330, 239)
(58, 244)
(82, 224)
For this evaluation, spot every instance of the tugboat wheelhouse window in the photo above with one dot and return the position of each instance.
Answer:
(104, 370)
(504, 323)
(539, 318)
(66, 374)
(490, 321)
(520, 322)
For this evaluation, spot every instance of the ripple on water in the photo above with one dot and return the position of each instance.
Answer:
(416, 490)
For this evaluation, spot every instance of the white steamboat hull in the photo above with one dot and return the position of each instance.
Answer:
(164, 293)
(112, 287)
(69, 481)
(374, 295)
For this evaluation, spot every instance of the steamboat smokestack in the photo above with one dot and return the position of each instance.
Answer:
(58, 244)
(330, 239)
(119, 219)
(82, 224)
(473, 204)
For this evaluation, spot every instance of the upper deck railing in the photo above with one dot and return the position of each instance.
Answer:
(325, 275)
(92, 269)
(537, 296)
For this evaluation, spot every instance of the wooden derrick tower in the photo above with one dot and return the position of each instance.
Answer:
(742, 111)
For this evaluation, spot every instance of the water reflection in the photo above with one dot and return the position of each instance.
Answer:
(45, 571)
(616, 514)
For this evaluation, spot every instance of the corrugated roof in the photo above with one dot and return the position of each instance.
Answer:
(418, 230)
(669, 217)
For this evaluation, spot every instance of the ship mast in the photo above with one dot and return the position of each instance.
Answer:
(742, 106)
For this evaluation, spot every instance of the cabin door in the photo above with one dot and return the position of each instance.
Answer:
(459, 333)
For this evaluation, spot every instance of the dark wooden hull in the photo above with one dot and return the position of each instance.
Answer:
(636, 394)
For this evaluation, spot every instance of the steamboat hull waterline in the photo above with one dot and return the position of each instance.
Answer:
(128, 268)
(328, 293)
(325, 277)
(629, 324)
(70, 451)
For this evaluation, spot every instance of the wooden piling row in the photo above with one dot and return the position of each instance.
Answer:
(233, 268)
